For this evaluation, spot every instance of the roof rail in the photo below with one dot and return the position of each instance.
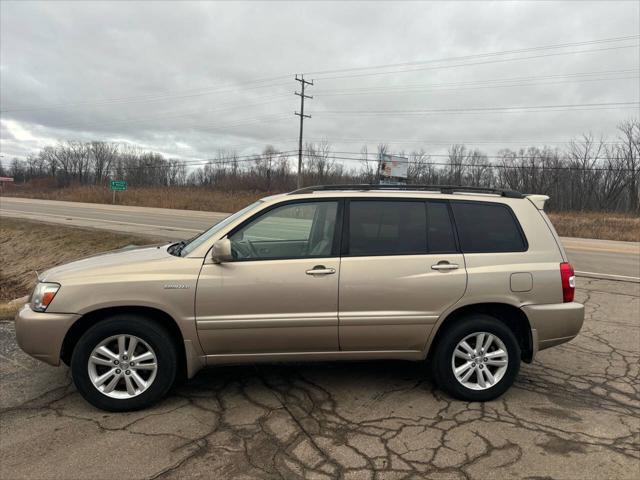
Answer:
(427, 188)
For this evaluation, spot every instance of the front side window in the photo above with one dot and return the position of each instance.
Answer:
(487, 228)
(198, 240)
(387, 228)
(297, 230)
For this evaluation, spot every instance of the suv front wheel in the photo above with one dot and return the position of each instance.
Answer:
(476, 359)
(125, 362)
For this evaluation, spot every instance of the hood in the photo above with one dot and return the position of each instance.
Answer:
(132, 258)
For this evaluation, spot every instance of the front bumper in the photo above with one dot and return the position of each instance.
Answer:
(553, 324)
(41, 334)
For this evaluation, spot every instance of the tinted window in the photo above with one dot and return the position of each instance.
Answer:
(387, 228)
(484, 227)
(440, 230)
(291, 231)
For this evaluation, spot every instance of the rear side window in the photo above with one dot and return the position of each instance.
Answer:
(440, 236)
(487, 228)
(387, 228)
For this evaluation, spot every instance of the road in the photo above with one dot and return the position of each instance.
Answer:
(620, 260)
(572, 414)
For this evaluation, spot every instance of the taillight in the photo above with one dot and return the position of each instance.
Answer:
(568, 282)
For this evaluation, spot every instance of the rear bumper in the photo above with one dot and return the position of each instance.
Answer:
(553, 324)
(41, 334)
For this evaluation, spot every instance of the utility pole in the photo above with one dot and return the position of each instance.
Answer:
(302, 116)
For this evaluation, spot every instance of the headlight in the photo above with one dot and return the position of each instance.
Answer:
(43, 295)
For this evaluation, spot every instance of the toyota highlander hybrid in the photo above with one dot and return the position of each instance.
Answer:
(473, 281)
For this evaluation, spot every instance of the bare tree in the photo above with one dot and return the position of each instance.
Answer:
(367, 173)
(321, 166)
(420, 169)
(456, 168)
(101, 156)
(17, 170)
(629, 152)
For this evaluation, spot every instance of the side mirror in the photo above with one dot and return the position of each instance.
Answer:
(221, 251)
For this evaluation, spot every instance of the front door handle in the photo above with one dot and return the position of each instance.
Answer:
(444, 266)
(321, 270)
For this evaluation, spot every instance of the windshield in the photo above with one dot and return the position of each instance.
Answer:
(198, 240)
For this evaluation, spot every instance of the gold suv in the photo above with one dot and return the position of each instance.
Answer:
(472, 280)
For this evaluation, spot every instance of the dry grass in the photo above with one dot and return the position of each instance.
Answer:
(187, 198)
(602, 225)
(26, 247)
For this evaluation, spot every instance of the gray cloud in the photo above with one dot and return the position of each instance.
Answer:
(177, 77)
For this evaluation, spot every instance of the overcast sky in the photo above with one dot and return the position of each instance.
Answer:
(190, 78)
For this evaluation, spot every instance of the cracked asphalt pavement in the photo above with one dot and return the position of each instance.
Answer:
(573, 413)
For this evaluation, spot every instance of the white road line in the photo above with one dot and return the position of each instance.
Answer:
(608, 276)
(98, 221)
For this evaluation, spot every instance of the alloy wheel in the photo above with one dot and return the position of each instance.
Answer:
(122, 366)
(479, 361)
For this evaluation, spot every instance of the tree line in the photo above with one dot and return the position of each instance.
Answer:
(588, 174)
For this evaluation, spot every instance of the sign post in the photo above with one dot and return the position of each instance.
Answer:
(117, 186)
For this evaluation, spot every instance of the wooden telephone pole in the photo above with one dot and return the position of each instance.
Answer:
(302, 116)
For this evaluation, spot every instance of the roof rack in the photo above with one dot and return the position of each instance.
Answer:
(426, 188)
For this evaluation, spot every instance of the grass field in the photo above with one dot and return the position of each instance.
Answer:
(186, 198)
(602, 225)
(27, 247)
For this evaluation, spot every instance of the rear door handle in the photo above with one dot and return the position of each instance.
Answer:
(444, 266)
(321, 270)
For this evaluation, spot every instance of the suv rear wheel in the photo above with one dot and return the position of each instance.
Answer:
(125, 362)
(476, 359)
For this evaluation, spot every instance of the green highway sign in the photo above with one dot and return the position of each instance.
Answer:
(118, 185)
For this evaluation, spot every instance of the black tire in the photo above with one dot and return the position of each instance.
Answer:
(441, 361)
(151, 333)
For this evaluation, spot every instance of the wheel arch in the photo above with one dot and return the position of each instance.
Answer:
(90, 319)
(511, 316)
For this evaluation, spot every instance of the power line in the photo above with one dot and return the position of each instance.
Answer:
(262, 144)
(171, 115)
(426, 163)
(239, 122)
(583, 106)
(214, 161)
(492, 165)
(249, 121)
(486, 62)
(364, 158)
(287, 155)
(480, 55)
(451, 87)
(451, 112)
(157, 97)
(498, 79)
(445, 142)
